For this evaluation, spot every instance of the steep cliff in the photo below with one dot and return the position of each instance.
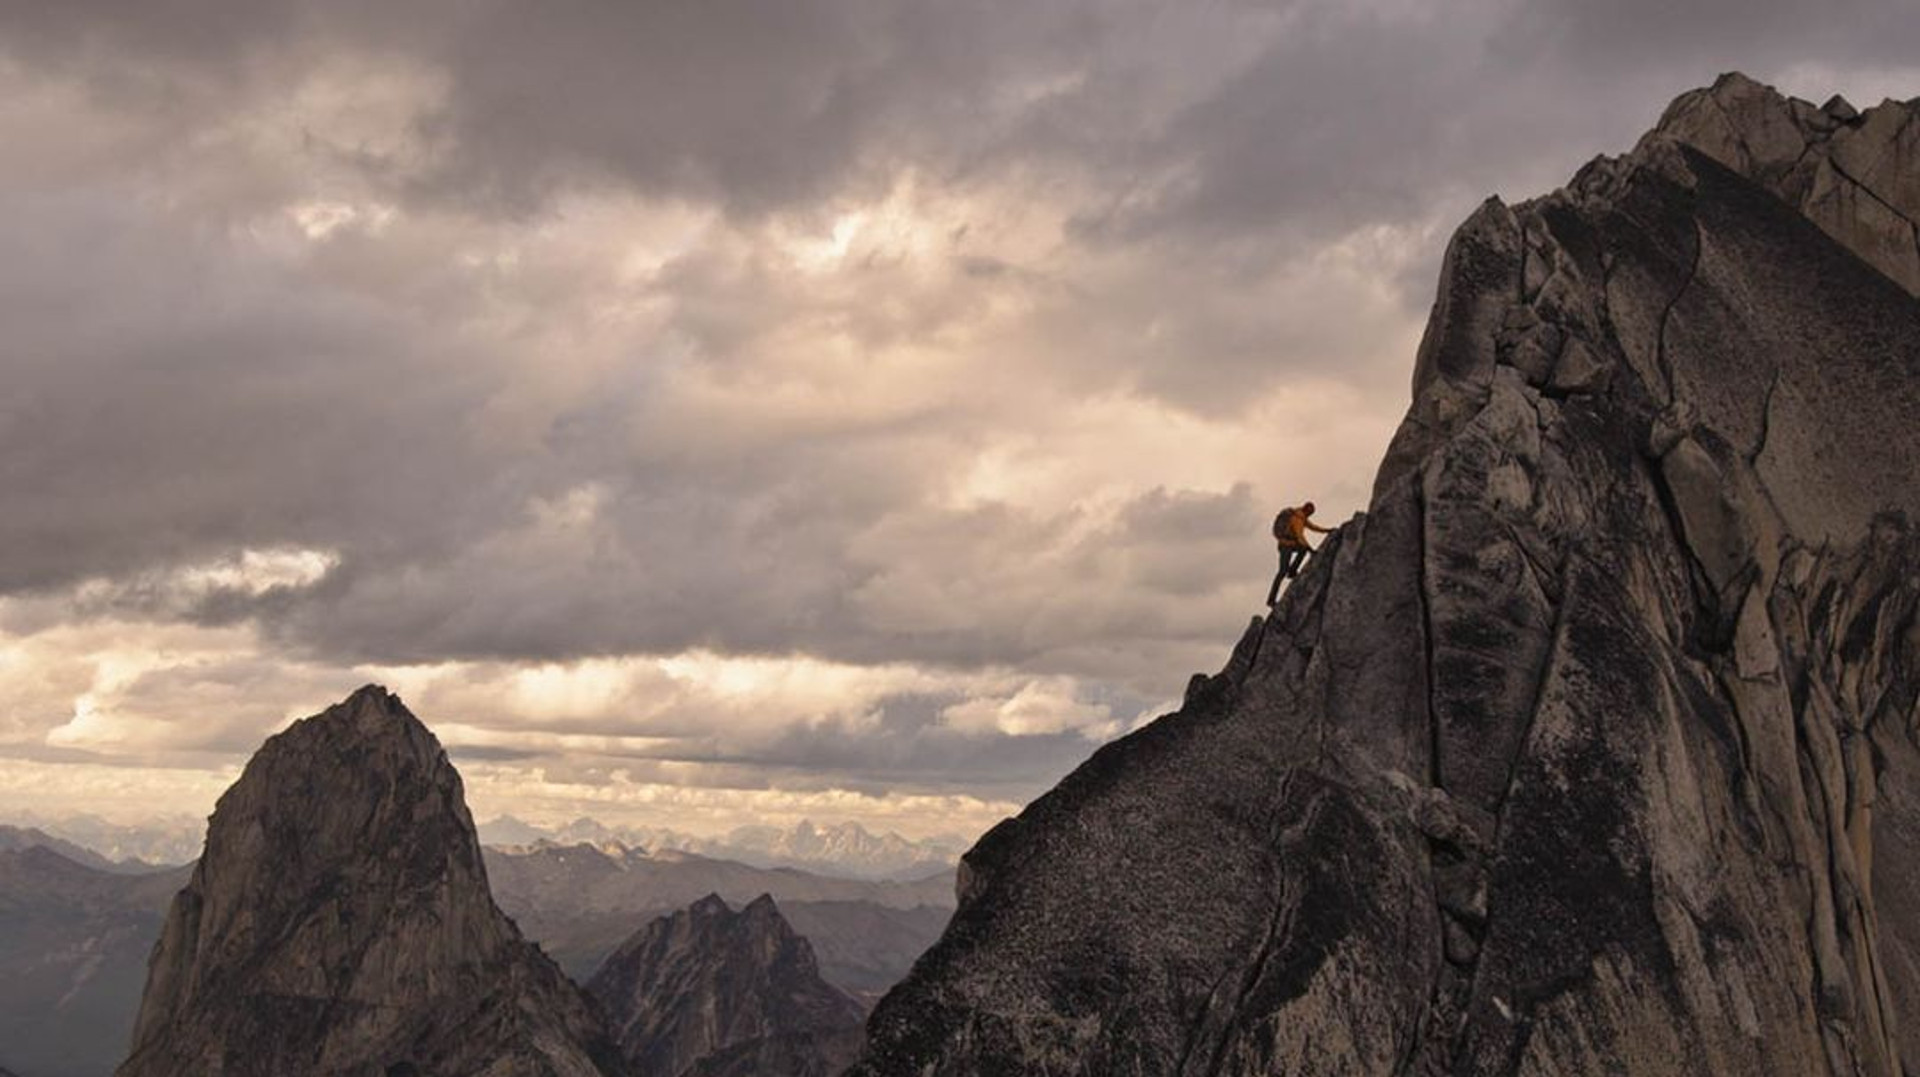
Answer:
(1591, 746)
(339, 923)
(719, 992)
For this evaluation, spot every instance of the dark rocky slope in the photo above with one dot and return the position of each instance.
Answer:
(339, 923)
(1589, 748)
(719, 992)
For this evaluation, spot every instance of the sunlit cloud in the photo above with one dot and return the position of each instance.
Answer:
(1040, 706)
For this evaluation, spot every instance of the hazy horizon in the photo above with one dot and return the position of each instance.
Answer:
(717, 415)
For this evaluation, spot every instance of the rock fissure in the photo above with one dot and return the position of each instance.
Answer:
(1286, 911)
(1428, 673)
(1666, 313)
(1698, 582)
(1766, 421)
(1278, 922)
(1545, 679)
(1841, 171)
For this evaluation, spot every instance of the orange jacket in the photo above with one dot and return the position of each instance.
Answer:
(1290, 530)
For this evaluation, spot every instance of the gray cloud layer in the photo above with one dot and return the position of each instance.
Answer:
(973, 336)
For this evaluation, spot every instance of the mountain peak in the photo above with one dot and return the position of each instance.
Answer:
(342, 870)
(708, 980)
(1854, 174)
(373, 695)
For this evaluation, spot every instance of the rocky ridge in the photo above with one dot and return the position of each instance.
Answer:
(1850, 172)
(1592, 746)
(339, 922)
(712, 991)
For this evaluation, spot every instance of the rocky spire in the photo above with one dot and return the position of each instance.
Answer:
(714, 991)
(339, 923)
(1855, 174)
(1592, 747)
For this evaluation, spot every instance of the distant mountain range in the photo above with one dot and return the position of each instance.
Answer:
(74, 941)
(161, 842)
(579, 901)
(77, 927)
(846, 849)
(15, 838)
(345, 920)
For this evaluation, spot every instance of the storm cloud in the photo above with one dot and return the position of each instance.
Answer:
(820, 398)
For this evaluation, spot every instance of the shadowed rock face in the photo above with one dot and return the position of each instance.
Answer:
(1856, 175)
(1591, 746)
(339, 923)
(711, 991)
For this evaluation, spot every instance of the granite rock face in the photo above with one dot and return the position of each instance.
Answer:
(1855, 174)
(1592, 746)
(711, 991)
(339, 923)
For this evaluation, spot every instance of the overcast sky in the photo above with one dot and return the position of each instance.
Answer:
(711, 412)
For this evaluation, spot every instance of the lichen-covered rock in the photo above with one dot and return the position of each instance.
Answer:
(1592, 747)
(720, 992)
(339, 923)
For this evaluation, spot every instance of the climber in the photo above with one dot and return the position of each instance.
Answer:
(1290, 532)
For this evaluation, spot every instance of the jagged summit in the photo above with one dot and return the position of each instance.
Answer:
(1854, 174)
(1593, 745)
(373, 713)
(712, 990)
(339, 922)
